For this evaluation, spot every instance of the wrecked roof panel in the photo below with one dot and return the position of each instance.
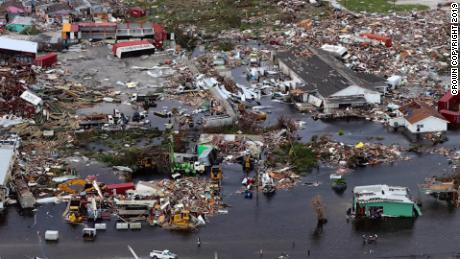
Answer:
(317, 74)
(18, 45)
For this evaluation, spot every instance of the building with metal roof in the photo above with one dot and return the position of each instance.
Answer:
(325, 82)
(21, 51)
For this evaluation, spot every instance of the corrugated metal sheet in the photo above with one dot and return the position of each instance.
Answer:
(31, 98)
(18, 45)
(6, 160)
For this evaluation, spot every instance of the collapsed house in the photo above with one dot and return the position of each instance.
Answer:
(20, 24)
(322, 81)
(17, 51)
(417, 117)
(381, 201)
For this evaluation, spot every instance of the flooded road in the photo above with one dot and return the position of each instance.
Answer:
(284, 223)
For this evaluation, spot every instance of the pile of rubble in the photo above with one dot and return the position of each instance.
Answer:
(418, 50)
(351, 156)
(14, 81)
(234, 146)
(284, 178)
(193, 194)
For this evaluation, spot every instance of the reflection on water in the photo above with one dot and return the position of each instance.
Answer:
(383, 225)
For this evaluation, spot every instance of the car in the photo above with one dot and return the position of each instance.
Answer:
(165, 254)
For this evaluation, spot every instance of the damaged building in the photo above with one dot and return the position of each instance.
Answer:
(20, 51)
(324, 82)
(418, 117)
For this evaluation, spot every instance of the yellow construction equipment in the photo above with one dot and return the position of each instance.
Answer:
(216, 173)
(146, 163)
(247, 164)
(181, 219)
(69, 186)
(78, 185)
(72, 213)
(74, 218)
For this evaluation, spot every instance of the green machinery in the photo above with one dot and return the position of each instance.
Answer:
(186, 167)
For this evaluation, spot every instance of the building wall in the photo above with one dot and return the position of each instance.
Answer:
(7, 56)
(372, 97)
(397, 122)
(393, 209)
(288, 71)
(430, 124)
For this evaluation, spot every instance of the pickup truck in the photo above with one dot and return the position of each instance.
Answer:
(165, 254)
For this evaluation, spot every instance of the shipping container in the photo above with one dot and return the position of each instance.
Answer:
(121, 225)
(160, 35)
(449, 102)
(133, 48)
(51, 235)
(451, 116)
(135, 225)
(47, 60)
(386, 40)
(100, 226)
(120, 188)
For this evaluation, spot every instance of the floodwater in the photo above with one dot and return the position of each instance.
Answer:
(283, 223)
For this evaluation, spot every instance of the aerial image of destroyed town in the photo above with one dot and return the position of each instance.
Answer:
(222, 129)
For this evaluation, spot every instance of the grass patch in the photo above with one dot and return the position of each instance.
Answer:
(129, 157)
(380, 6)
(298, 155)
(213, 16)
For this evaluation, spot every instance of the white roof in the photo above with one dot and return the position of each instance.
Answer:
(18, 45)
(31, 98)
(6, 156)
(382, 192)
(336, 49)
(22, 20)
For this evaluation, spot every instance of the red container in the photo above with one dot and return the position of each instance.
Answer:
(449, 102)
(451, 116)
(47, 60)
(120, 188)
(160, 35)
(443, 103)
(386, 40)
(136, 12)
(128, 44)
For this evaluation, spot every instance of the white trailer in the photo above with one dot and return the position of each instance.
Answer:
(51, 235)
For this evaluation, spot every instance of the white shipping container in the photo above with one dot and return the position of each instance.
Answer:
(135, 225)
(51, 235)
(121, 225)
(100, 226)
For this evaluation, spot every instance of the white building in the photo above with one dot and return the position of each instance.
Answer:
(419, 118)
(323, 81)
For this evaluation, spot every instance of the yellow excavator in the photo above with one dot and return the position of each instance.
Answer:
(78, 185)
(72, 213)
(181, 219)
(216, 174)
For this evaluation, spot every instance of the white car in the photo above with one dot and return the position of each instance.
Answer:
(165, 254)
